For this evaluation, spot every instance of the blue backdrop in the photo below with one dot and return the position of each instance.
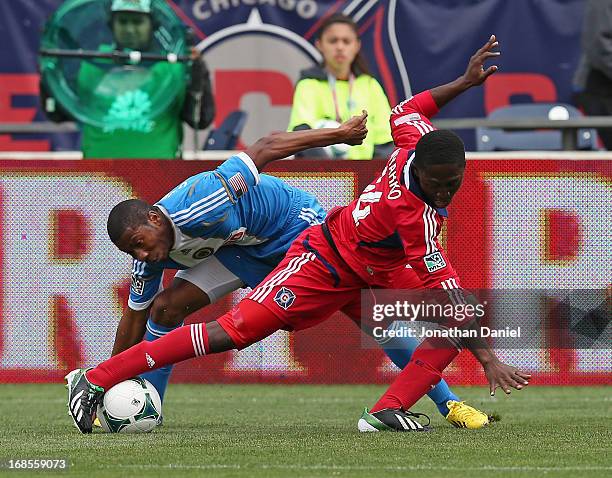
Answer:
(410, 45)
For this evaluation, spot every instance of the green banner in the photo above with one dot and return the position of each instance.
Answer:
(114, 64)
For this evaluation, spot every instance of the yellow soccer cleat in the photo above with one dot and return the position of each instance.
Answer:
(464, 416)
(96, 423)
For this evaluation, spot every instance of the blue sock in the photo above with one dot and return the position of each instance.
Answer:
(399, 350)
(159, 377)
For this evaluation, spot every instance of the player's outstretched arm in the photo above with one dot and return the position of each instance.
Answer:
(131, 329)
(498, 373)
(475, 74)
(280, 145)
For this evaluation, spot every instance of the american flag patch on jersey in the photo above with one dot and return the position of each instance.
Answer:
(239, 185)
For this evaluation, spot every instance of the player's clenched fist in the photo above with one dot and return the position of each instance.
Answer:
(354, 130)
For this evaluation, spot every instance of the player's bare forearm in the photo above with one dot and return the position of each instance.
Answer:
(130, 330)
(481, 349)
(475, 74)
(445, 93)
(280, 145)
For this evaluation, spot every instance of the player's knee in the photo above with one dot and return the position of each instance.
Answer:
(244, 325)
(165, 311)
(218, 339)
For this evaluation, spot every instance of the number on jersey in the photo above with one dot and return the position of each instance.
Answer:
(368, 197)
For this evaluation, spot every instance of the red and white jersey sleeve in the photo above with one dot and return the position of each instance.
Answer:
(410, 119)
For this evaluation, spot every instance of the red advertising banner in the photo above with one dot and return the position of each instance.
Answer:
(515, 224)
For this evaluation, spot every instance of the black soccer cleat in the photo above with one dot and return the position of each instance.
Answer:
(392, 420)
(83, 397)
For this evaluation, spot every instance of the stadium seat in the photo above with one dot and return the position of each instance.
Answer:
(226, 135)
(494, 139)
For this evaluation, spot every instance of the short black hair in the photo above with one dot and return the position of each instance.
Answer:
(440, 146)
(127, 215)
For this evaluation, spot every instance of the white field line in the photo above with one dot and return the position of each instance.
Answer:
(209, 466)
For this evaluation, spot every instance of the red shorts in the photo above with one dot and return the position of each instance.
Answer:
(307, 287)
(310, 284)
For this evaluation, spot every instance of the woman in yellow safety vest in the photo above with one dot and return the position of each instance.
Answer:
(339, 88)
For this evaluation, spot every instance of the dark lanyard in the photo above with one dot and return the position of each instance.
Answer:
(331, 79)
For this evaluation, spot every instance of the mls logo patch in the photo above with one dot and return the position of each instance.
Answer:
(284, 298)
(137, 285)
(434, 261)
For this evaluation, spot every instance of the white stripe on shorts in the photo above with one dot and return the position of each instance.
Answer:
(263, 290)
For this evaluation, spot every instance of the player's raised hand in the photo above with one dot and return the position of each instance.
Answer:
(354, 130)
(476, 73)
(505, 377)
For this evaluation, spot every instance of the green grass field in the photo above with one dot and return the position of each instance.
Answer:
(299, 431)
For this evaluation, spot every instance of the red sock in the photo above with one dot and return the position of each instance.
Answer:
(424, 370)
(180, 344)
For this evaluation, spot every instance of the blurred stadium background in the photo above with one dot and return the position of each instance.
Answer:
(523, 220)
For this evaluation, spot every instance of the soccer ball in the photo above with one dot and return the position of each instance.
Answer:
(335, 151)
(132, 406)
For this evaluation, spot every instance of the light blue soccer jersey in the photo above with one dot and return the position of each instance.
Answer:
(248, 220)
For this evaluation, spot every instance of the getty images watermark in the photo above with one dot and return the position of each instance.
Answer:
(402, 312)
(507, 319)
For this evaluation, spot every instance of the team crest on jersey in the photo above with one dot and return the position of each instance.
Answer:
(434, 261)
(203, 253)
(137, 285)
(284, 298)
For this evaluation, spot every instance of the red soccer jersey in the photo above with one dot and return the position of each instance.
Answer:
(390, 224)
